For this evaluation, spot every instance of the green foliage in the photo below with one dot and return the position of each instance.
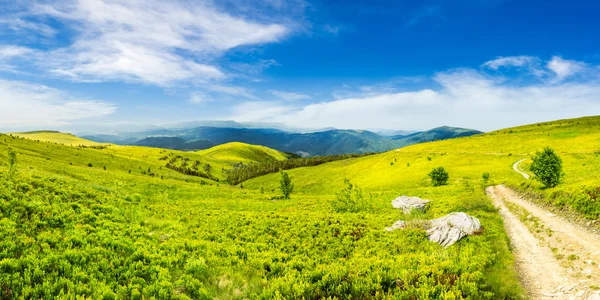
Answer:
(439, 176)
(547, 167)
(12, 162)
(485, 176)
(90, 165)
(285, 184)
(350, 199)
(243, 172)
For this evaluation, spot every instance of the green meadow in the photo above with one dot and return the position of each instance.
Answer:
(114, 222)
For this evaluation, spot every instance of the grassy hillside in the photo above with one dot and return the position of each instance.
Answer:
(68, 229)
(56, 137)
(577, 141)
(236, 152)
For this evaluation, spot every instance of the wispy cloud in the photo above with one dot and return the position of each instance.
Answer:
(232, 91)
(199, 97)
(154, 42)
(564, 68)
(30, 105)
(466, 97)
(511, 61)
(425, 13)
(288, 96)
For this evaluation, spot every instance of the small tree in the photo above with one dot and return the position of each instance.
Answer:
(485, 176)
(547, 167)
(439, 176)
(350, 199)
(287, 187)
(12, 162)
(207, 168)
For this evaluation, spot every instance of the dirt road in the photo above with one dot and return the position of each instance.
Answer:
(555, 259)
(516, 168)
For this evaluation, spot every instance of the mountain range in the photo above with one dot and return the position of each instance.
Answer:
(189, 136)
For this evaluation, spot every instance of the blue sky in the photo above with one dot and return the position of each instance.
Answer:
(91, 65)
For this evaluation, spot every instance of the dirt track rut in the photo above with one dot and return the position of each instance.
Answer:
(555, 258)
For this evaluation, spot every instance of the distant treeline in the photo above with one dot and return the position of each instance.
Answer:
(241, 172)
(184, 167)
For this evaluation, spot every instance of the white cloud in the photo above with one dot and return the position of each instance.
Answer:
(466, 98)
(29, 105)
(231, 90)
(564, 68)
(510, 61)
(199, 97)
(156, 42)
(10, 51)
(288, 96)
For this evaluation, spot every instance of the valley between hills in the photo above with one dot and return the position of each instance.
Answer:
(85, 219)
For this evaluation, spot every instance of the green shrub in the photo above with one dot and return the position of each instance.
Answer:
(350, 199)
(12, 162)
(485, 176)
(547, 167)
(439, 176)
(90, 165)
(286, 185)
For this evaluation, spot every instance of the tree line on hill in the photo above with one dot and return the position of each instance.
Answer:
(243, 172)
(185, 168)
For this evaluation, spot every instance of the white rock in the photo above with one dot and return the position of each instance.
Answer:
(594, 296)
(449, 229)
(398, 225)
(550, 215)
(580, 294)
(587, 272)
(407, 204)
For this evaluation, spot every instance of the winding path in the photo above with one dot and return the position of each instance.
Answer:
(555, 258)
(516, 168)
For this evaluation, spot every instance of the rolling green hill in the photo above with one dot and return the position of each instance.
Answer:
(56, 137)
(71, 227)
(577, 141)
(114, 222)
(236, 152)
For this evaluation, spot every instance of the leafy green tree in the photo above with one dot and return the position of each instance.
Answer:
(439, 176)
(12, 162)
(350, 199)
(286, 185)
(547, 167)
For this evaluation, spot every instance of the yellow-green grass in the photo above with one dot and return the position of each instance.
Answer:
(237, 152)
(220, 157)
(56, 137)
(70, 230)
(577, 141)
(125, 234)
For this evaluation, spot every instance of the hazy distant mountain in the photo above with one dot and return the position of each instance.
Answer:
(314, 143)
(249, 125)
(393, 132)
(439, 133)
(175, 143)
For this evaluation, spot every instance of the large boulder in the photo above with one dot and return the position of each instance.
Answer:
(446, 230)
(407, 204)
(398, 225)
(451, 228)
